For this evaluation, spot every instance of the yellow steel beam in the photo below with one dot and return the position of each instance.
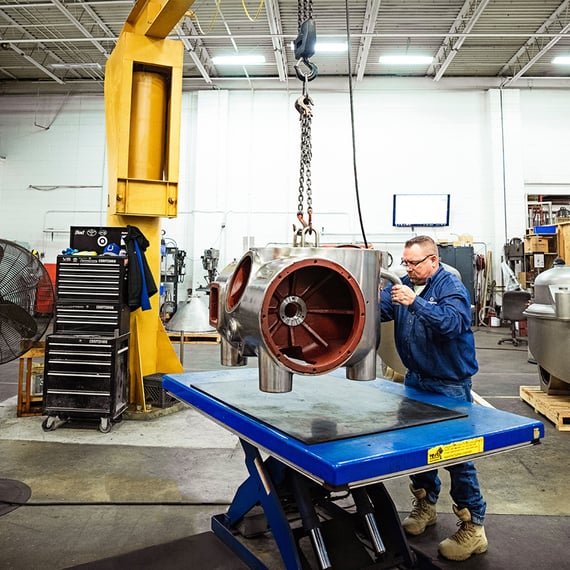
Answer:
(156, 18)
(143, 102)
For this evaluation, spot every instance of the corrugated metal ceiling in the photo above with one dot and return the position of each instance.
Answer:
(504, 42)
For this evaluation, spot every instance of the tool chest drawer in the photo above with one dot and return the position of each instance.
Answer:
(91, 404)
(91, 319)
(91, 278)
(86, 375)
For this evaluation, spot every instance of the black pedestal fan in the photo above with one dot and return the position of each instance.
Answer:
(26, 300)
(26, 309)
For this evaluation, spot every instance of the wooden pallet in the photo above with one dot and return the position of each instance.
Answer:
(195, 338)
(555, 408)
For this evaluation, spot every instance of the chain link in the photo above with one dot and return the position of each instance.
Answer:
(305, 164)
(305, 12)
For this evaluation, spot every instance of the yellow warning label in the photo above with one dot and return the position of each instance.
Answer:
(454, 450)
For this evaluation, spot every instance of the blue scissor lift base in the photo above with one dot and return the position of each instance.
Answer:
(297, 477)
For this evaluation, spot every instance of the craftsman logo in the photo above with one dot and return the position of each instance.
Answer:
(455, 450)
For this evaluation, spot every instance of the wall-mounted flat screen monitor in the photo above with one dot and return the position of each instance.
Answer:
(420, 210)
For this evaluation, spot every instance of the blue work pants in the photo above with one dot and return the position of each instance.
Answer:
(465, 490)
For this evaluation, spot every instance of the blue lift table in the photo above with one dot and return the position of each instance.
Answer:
(332, 435)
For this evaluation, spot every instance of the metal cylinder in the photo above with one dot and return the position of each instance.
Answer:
(562, 303)
(148, 126)
(273, 379)
(230, 355)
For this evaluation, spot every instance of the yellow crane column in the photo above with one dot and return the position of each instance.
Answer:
(143, 101)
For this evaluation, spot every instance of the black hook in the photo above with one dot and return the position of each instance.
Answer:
(312, 73)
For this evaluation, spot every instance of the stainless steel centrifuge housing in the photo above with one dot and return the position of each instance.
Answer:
(303, 310)
(549, 328)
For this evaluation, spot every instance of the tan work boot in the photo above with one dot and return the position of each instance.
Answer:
(469, 539)
(423, 513)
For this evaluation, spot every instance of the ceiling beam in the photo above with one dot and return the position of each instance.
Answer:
(291, 37)
(535, 48)
(41, 46)
(370, 17)
(192, 48)
(35, 63)
(47, 4)
(276, 30)
(5, 72)
(231, 38)
(79, 26)
(463, 24)
(85, 5)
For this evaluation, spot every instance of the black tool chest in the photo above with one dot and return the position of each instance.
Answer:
(90, 278)
(86, 359)
(91, 318)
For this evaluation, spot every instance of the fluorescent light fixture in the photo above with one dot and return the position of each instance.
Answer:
(75, 65)
(330, 47)
(326, 47)
(406, 59)
(562, 60)
(238, 59)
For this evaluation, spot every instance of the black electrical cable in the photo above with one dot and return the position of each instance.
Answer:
(350, 92)
(503, 164)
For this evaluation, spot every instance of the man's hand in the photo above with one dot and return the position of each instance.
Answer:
(402, 295)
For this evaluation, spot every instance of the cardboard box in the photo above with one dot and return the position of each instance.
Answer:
(535, 244)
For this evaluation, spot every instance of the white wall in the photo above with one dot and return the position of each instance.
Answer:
(53, 175)
(546, 149)
(240, 165)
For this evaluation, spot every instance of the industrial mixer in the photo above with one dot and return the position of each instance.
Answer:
(549, 328)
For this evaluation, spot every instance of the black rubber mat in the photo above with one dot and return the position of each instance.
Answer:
(515, 542)
(521, 541)
(327, 408)
(12, 491)
(201, 552)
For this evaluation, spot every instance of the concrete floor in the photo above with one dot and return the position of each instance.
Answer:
(188, 469)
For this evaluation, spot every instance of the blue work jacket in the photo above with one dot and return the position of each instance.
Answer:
(433, 335)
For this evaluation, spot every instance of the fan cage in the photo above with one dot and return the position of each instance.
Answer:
(26, 300)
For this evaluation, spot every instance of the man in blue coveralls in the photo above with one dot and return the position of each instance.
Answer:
(431, 311)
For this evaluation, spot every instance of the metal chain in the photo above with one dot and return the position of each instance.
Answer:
(305, 11)
(305, 164)
(304, 107)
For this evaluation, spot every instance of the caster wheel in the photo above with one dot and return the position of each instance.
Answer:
(105, 425)
(544, 378)
(50, 423)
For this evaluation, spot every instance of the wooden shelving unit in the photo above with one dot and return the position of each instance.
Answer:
(563, 237)
(540, 251)
(30, 397)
